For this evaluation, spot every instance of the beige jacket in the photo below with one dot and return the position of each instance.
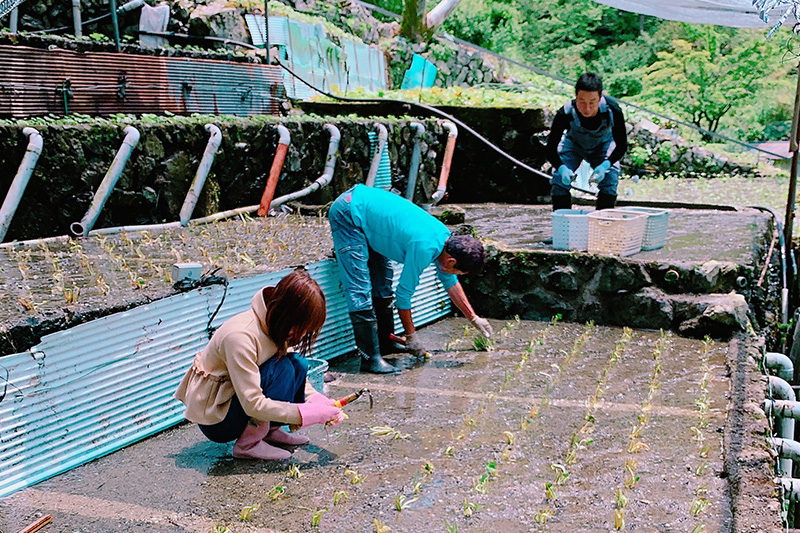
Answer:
(229, 365)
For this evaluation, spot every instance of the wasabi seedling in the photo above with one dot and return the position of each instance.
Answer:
(698, 506)
(619, 519)
(699, 528)
(317, 516)
(355, 479)
(622, 499)
(450, 527)
(386, 431)
(380, 527)
(483, 344)
(275, 492)
(246, 510)
(294, 472)
(221, 529)
(469, 507)
(402, 502)
(550, 491)
(480, 484)
(449, 451)
(339, 496)
(541, 516)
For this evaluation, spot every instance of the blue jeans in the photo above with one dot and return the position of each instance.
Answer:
(282, 379)
(364, 273)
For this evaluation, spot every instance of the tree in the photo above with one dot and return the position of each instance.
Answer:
(708, 72)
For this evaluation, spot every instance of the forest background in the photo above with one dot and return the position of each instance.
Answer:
(731, 81)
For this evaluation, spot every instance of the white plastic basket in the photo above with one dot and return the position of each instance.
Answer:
(614, 232)
(655, 231)
(570, 229)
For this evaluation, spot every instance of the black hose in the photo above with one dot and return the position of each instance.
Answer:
(435, 111)
(784, 254)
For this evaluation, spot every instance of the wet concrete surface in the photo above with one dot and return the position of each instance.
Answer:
(549, 431)
(693, 235)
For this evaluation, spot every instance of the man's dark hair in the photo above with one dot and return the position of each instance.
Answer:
(467, 251)
(589, 81)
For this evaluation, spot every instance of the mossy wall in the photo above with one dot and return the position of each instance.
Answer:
(153, 186)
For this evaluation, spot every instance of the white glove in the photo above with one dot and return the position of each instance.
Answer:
(483, 326)
(414, 345)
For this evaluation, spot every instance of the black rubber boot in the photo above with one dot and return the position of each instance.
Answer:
(384, 313)
(606, 201)
(562, 202)
(365, 330)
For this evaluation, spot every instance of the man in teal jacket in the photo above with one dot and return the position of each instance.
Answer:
(370, 226)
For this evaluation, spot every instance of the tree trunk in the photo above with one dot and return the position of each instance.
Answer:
(413, 26)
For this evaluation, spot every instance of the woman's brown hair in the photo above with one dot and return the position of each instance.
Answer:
(295, 312)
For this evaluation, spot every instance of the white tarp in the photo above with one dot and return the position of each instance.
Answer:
(737, 13)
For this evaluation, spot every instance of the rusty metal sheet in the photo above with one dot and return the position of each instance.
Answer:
(37, 82)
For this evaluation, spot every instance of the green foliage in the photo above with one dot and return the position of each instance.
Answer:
(705, 73)
(493, 25)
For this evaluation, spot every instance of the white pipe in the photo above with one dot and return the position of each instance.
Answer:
(416, 156)
(383, 135)
(791, 488)
(782, 408)
(202, 173)
(133, 229)
(777, 388)
(327, 175)
(452, 135)
(109, 181)
(13, 22)
(21, 179)
(76, 18)
(781, 363)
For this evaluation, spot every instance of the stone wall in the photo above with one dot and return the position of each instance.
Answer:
(152, 188)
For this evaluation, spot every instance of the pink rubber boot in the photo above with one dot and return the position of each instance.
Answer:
(278, 436)
(250, 445)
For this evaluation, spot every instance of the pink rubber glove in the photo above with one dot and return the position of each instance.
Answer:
(320, 399)
(318, 413)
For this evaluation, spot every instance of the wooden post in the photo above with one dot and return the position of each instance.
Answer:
(793, 146)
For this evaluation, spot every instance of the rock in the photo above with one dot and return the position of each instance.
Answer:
(218, 20)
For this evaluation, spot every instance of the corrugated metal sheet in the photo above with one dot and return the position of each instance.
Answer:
(90, 390)
(37, 82)
(383, 178)
(308, 52)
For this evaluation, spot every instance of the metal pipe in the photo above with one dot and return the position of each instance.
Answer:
(76, 18)
(21, 179)
(447, 161)
(777, 388)
(284, 139)
(13, 22)
(109, 181)
(327, 175)
(202, 173)
(383, 135)
(115, 23)
(416, 156)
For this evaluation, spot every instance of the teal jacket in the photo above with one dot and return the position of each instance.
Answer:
(403, 232)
